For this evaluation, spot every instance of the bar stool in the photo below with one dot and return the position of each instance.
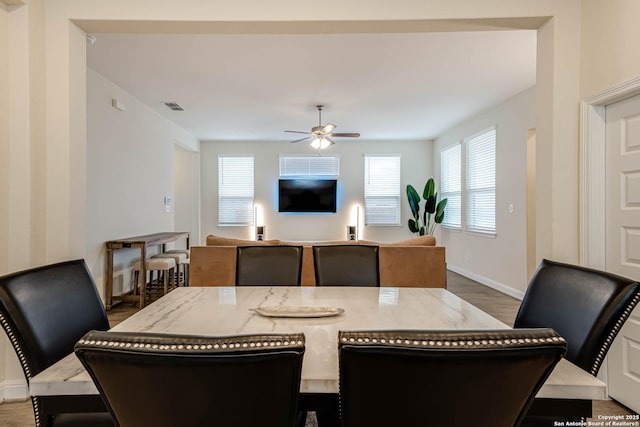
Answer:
(182, 264)
(162, 268)
(179, 251)
(187, 266)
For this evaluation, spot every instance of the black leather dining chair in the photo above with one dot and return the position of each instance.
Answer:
(44, 311)
(158, 380)
(586, 306)
(443, 378)
(269, 265)
(346, 265)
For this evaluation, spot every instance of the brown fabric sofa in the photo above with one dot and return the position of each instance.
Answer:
(411, 263)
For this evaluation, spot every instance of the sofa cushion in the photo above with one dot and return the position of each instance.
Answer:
(322, 243)
(213, 240)
(416, 241)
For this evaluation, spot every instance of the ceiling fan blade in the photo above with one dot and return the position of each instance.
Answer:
(306, 138)
(329, 139)
(346, 135)
(297, 131)
(328, 128)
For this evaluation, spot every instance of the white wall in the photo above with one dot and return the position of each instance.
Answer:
(56, 55)
(5, 348)
(559, 43)
(610, 38)
(60, 202)
(499, 262)
(21, 130)
(416, 169)
(4, 138)
(186, 203)
(130, 169)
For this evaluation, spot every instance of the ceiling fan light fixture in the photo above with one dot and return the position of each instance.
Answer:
(321, 136)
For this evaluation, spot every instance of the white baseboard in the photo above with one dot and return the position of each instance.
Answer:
(508, 290)
(13, 390)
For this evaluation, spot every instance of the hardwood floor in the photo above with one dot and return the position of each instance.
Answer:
(499, 305)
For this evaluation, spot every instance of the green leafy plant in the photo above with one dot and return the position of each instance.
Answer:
(433, 210)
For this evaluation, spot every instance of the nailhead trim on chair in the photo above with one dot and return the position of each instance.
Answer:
(189, 344)
(23, 362)
(16, 346)
(612, 335)
(469, 339)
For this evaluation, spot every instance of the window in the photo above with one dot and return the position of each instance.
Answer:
(451, 185)
(481, 182)
(235, 190)
(382, 189)
(318, 166)
(473, 198)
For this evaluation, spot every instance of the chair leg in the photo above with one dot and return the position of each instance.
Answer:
(169, 279)
(176, 277)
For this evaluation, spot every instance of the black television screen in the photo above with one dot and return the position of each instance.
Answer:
(307, 195)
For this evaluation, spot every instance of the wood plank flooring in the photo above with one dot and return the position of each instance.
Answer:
(500, 306)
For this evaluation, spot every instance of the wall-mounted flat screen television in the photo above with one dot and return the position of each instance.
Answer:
(307, 195)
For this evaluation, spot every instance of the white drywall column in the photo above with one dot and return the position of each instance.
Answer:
(557, 92)
(16, 69)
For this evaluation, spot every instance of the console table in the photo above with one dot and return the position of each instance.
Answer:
(141, 242)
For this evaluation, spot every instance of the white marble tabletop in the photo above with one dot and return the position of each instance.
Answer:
(227, 311)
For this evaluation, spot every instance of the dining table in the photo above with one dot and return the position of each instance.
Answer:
(318, 312)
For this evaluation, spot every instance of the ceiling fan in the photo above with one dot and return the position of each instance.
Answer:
(320, 136)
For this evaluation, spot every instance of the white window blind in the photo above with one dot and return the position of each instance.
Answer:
(235, 190)
(318, 166)
(451, 185)
(382, 189)
(481, 182)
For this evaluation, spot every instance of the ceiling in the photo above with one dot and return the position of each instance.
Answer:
(251, 87)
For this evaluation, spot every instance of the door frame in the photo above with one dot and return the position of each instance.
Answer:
(592, 170)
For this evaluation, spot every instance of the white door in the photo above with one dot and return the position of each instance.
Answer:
(623, 239)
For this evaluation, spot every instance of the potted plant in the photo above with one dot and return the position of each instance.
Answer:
(431, 208)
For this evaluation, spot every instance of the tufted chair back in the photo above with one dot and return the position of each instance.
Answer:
(443, 378)
(163, 380)
(346, 265)
(586, 306)
(269, 265)
(44, 311)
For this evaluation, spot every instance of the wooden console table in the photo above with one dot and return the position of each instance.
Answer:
(141, 242)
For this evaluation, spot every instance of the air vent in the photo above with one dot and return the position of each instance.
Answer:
(174, 106)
